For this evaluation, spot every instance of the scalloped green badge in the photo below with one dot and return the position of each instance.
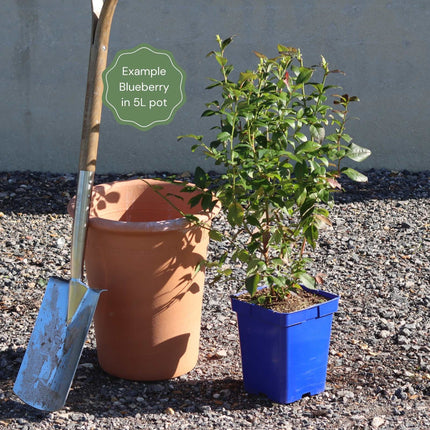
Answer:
(144, 87)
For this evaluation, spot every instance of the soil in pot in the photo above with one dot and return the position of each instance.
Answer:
(296, 300)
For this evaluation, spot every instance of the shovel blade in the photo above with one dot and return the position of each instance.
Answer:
(55, 347)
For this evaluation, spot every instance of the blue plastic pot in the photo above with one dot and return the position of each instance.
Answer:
(284, 356)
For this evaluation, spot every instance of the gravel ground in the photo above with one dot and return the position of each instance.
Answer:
(376, 256)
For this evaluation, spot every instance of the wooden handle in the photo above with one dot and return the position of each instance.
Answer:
(102, 19)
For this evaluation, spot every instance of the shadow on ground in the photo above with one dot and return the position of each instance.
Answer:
(96, 393)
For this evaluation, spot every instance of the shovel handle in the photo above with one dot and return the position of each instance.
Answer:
(103, 11)
(101, 24)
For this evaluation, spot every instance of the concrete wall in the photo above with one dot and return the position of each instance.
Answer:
(383, 46)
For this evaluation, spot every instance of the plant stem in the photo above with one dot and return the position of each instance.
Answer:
(340, 133)
(302, 249)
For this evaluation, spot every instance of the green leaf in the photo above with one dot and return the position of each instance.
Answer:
(251, 283)
(221, 60)
(230, 118)
(226, 272)
(307, 280)
(304, 75)
(252, 220)
(192, 218)
(216, 235)
(300, 136)
(300, 170)
(357, 153)
(208, 202)
(346, 137)
(211, 53)
(226, 42)
(200, 177)
(311, 235)
(200, 265)
(307, 208)
(223, 136)
(192, 136)
(288, 50)
(324, 195)
(235, 214)
(276, 239)
(241, 255)
(354, 175)
(254, 265)
(208, 112)
(301, 196)
(228, 69)
(278, 262)
(247, 76)
(318, 132)
(279, 282)
(214, 85)
(308, 146)
(194, 201)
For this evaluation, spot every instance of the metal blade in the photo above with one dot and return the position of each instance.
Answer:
(55, 347)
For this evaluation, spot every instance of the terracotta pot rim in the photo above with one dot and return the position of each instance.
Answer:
(145, 227)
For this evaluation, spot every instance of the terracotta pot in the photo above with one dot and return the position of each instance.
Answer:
(144, 253)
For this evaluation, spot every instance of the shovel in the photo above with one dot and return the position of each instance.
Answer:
(67, 309)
